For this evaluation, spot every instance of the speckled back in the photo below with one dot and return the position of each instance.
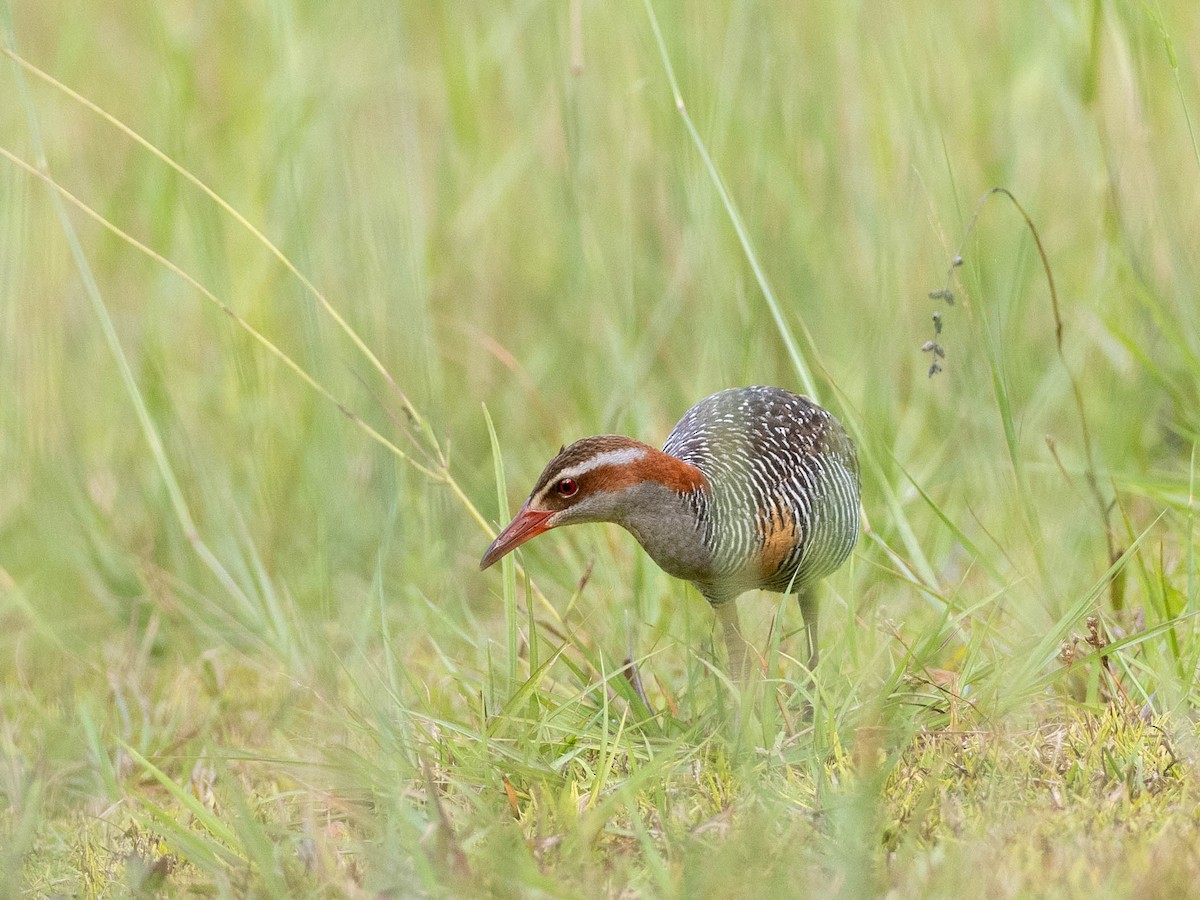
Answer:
(785, 488)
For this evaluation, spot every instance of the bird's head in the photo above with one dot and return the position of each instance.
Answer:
(593, 480)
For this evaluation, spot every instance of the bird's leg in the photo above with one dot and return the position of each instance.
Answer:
(735, 642)
(809, 604)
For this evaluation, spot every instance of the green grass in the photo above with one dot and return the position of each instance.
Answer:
(301, 291)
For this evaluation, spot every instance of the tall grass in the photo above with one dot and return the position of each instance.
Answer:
(294, 297)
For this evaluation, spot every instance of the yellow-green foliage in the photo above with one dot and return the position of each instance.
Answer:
(262, 266)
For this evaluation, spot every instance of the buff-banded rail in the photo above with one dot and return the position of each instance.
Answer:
(755, 488)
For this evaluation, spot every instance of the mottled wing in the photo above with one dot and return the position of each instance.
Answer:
(785, 485)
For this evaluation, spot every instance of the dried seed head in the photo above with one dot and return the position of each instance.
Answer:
(1066, 652)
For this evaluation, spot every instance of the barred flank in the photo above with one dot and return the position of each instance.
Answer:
(783, 512)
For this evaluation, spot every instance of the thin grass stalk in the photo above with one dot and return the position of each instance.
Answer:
(440, 473)
(149, 429)
(785, 332)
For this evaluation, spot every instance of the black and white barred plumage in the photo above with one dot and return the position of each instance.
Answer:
(755, 487)
(782, 509)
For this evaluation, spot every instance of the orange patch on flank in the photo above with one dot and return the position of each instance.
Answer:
(654, 466)
(779, 540)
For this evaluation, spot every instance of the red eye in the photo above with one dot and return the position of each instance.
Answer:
(567, 487)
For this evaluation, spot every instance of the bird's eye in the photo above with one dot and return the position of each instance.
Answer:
(567, 487)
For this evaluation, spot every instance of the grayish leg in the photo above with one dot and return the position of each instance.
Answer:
(809, 603)
(739, 650)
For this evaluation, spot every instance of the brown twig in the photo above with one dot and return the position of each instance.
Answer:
(1104, 507)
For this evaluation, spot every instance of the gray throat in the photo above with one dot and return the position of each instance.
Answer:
(670, 528)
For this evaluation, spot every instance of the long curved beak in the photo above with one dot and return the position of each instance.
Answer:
(528, 523)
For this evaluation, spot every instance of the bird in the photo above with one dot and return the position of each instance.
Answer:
(755, 488)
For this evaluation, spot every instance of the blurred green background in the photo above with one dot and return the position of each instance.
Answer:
(505, 204)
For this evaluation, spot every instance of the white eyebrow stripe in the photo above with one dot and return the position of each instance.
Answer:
(607, 458)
